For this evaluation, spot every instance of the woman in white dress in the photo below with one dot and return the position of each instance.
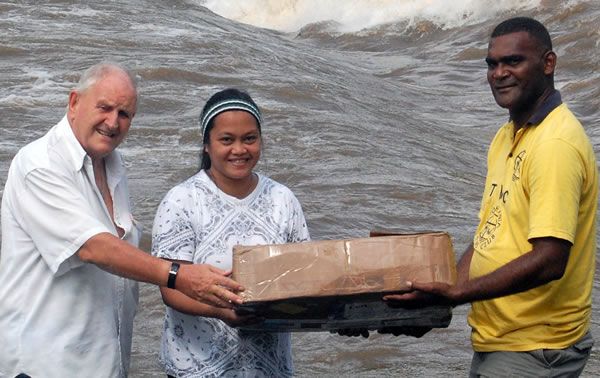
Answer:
(199, 221)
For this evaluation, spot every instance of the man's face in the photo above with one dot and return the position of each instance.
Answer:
(101, 115)
(517, 71)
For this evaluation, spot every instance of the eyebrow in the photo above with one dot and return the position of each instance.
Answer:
(504, 59)
(104, 102)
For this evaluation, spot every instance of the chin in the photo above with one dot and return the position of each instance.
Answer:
(503, 102)
(236, 173)
(241, 176)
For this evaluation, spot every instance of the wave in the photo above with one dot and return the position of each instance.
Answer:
(355, 15)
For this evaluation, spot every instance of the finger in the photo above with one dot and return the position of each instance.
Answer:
(423, 286)
(226, 295)
(420, 331)
(228, 283)
(397, 297)
(345, 332)
(216, 300)
(393, 330)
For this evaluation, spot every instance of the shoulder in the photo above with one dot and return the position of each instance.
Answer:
(561, 127)
(562, 123)
(275, 188)
(57, 150)
(33, 156)
(182, 189)
(187, 190)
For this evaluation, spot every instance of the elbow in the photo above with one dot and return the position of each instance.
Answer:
(554, 274)
(557, 274)
(91, 250)
(85, 253)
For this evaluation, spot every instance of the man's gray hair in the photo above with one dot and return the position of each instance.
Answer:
(98, 71)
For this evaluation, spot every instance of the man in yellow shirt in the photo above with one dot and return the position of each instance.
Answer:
(529, 271)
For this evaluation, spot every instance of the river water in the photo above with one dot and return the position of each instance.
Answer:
(377, 114)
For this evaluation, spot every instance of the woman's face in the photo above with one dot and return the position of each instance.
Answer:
(234, 145)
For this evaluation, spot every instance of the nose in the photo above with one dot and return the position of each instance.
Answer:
(499, 72)
(112, 120)
(239, 148)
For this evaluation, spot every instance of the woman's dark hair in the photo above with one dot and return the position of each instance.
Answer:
(227, 99)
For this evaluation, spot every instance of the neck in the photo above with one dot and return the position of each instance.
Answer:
(99, 166)
(238, 188)
(520, 117)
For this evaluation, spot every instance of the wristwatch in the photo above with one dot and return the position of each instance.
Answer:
(172, 275)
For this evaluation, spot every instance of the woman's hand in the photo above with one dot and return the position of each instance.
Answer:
(233, 319)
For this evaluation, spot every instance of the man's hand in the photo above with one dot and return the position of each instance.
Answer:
(208, 284)
(425, 294)
(353, 332)
(408, 331)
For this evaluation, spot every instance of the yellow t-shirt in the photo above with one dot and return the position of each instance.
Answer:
(541, 183)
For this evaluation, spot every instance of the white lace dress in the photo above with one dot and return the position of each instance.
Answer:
(197, 222)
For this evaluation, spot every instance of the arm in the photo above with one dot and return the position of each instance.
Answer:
(55, 194)
(546, 262)
(184, 304)
(198, 281)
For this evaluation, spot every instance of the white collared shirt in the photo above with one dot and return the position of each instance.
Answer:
(60, 317)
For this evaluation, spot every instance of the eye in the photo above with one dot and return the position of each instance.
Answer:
(226, 140)
(491, 63)
(513, 61)
(250, 139)
(124, 114)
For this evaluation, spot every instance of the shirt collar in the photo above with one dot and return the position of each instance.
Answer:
(75, 152)
(550, 103)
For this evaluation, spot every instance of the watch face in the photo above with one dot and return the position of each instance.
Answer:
(172, 275)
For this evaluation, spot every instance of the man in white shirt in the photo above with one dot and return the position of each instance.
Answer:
(69, 258)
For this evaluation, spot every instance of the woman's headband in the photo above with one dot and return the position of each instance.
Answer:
(225, 105)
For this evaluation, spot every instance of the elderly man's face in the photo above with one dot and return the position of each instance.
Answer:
(101, 115)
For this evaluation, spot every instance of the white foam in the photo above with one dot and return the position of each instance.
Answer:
(354, 15)
(36, 86)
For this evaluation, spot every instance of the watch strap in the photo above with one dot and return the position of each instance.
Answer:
(172, 275)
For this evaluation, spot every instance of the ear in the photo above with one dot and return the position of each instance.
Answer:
(549, 63)
(73, 102)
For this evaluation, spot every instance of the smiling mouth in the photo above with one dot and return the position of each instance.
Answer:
(504, 87)
(106, 133)
(240, 161)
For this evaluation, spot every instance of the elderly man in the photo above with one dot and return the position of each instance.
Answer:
(69, 256)
(530, 269)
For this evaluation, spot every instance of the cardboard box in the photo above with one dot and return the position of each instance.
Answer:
(334, 284)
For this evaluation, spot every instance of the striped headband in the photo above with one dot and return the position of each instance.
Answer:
(225, 105)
